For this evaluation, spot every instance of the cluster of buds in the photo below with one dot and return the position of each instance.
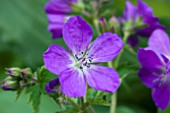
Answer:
(18, 78)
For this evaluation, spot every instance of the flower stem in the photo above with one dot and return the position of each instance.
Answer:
(114, 102)
(74, 104)
(115, 65)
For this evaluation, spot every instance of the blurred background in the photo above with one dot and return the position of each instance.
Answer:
(24, 38)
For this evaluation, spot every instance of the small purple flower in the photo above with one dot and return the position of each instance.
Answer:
(51, 86)
(57, 13)
(80, 66)
(155, 71)
(143, 12)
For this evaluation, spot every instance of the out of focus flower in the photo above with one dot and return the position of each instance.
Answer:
(51, 87)
(10, 84)
(18, 78)
(81, 65)
(57, 13)
(13, 71)
(140, 20)
(155, 71)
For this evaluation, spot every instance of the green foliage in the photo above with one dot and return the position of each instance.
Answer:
(24, 38)
(35, 98)
(42, 76)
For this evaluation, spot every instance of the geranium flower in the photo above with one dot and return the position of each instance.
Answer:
(142, 14)
(80, 66)
(155, 71)
(57, 13)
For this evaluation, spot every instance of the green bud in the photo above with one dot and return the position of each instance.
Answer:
(13, 71)
(26, 71)
(10, 85)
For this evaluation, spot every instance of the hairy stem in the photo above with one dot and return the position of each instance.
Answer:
(115, 65)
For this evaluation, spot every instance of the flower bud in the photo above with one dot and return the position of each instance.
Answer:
(51, 87)
(26, 71)
(13, 71)
(10, 85)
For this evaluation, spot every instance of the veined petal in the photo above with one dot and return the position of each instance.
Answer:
(102, 78)
(77, 34)
(148, 77)
(161, 95)
(159, 42)
(57, 59)
(149, 60)
(73, 83)
(57, 7)
(105, 47)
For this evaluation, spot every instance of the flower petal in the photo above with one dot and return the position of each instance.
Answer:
(57, 59)
(73, 83)
(161, 95)
(148, 18)
(146, 12)
(133, 40)
(159, 41)
(77, 34)
(105, 47)
(56, 24)
(57, 7)
(51, 86)
(149, 60)
(130, 11)
(102, 78)
(147, 77)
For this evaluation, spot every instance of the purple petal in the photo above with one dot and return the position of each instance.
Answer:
(147, 77)
(148, 18)
(159, 41)
(77, 34)
(57, 59)
(161, 95)
(56, 24)
(7, 89)
(130, 12)
(147, 31)
(57, 7)
(102, 78)
(133, 41)
(105, 47)
(146, 12)
(149, 60)
(50, 86)
(73, 83)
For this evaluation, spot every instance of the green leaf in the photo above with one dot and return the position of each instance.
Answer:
(19, 91)
(44, 76)
(35, 98)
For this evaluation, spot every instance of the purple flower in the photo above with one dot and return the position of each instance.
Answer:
(51, 86)
(81, 64)
(57, 11)
(143, 12)
(155, 71)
